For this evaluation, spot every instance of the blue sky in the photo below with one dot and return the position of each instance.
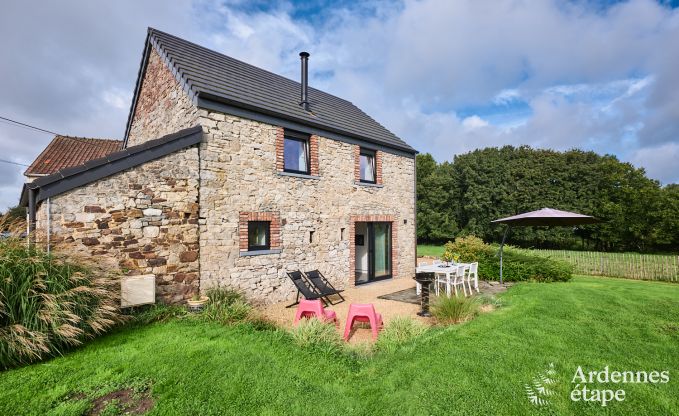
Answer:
(447, 77)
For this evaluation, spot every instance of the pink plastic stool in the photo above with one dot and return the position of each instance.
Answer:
(311, 308)
(363, 313)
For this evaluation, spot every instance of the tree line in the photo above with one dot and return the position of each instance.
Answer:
(462, 197)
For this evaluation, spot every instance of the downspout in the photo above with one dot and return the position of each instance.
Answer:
(415, 205)
(49, 224)
(31, 217)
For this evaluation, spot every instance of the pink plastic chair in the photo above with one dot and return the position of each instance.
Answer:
(311, 308)
(363, 313)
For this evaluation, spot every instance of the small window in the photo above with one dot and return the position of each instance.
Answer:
(296, 153)
(367, 166)
(259, 235)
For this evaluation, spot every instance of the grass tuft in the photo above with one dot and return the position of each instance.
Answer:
(397, 332)
(454, 309)
(317, 335)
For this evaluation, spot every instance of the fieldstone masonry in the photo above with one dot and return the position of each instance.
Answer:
(162, 106)
(143, 220)
(240, 173)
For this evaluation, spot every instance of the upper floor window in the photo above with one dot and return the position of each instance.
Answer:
(259, 235)
(367, 166)
(296, 153)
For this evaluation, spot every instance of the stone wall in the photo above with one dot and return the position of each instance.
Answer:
(239, 174)
(162, 105)
(143, 220)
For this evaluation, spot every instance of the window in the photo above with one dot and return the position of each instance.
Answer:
(296, 153)
(367, 166)
(259, 235)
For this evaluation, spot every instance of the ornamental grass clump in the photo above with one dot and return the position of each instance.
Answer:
(397, 332)
(48, 304)
(318, 335)
(226, 306)
(454, 309)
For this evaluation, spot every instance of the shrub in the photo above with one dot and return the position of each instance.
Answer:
(318, 335)
(470, 249)
(517, 266)
(48, 304)
(399, 331)
(454, 309)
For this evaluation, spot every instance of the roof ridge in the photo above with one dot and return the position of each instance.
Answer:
(205, 48)
(63, 136)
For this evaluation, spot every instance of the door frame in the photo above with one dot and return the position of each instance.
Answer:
(370, 227)
(352, 244)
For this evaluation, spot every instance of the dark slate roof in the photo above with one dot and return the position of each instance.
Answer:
(70, 178)
(211, 75)
(66, 151)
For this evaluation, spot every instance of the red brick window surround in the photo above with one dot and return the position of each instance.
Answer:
(274, 218)
(357, 165)
(352, 243)
(311, 148)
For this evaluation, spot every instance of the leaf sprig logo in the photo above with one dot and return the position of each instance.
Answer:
(538, 390)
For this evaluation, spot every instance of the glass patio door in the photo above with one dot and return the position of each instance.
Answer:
(379, 254)
(373, 251)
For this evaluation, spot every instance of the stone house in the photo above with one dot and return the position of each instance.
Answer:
(231, 175)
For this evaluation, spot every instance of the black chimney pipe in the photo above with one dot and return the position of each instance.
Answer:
(304, 56)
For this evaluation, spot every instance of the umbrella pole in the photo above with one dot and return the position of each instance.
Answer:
(504, 237)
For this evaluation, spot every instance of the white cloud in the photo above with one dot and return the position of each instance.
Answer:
(117, 98)
(473, 123)
(506, 96)
(605, 80)
(660, 162)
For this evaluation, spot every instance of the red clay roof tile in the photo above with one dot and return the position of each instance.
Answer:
(65, 152)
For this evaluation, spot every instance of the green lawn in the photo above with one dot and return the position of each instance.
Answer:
(479, 367)
(429, 251)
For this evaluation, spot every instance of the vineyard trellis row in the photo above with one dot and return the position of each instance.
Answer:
(627, 265)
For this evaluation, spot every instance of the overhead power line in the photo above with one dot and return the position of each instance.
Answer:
(25, 125)
(12, 163)
(28, 125)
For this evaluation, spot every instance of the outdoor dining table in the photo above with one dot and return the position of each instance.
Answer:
(439, 268)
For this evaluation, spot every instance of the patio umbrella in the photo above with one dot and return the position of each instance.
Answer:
(545, 217)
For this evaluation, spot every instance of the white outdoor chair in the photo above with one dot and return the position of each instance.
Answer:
(458, 280)
(473, 277)
(441, 278)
